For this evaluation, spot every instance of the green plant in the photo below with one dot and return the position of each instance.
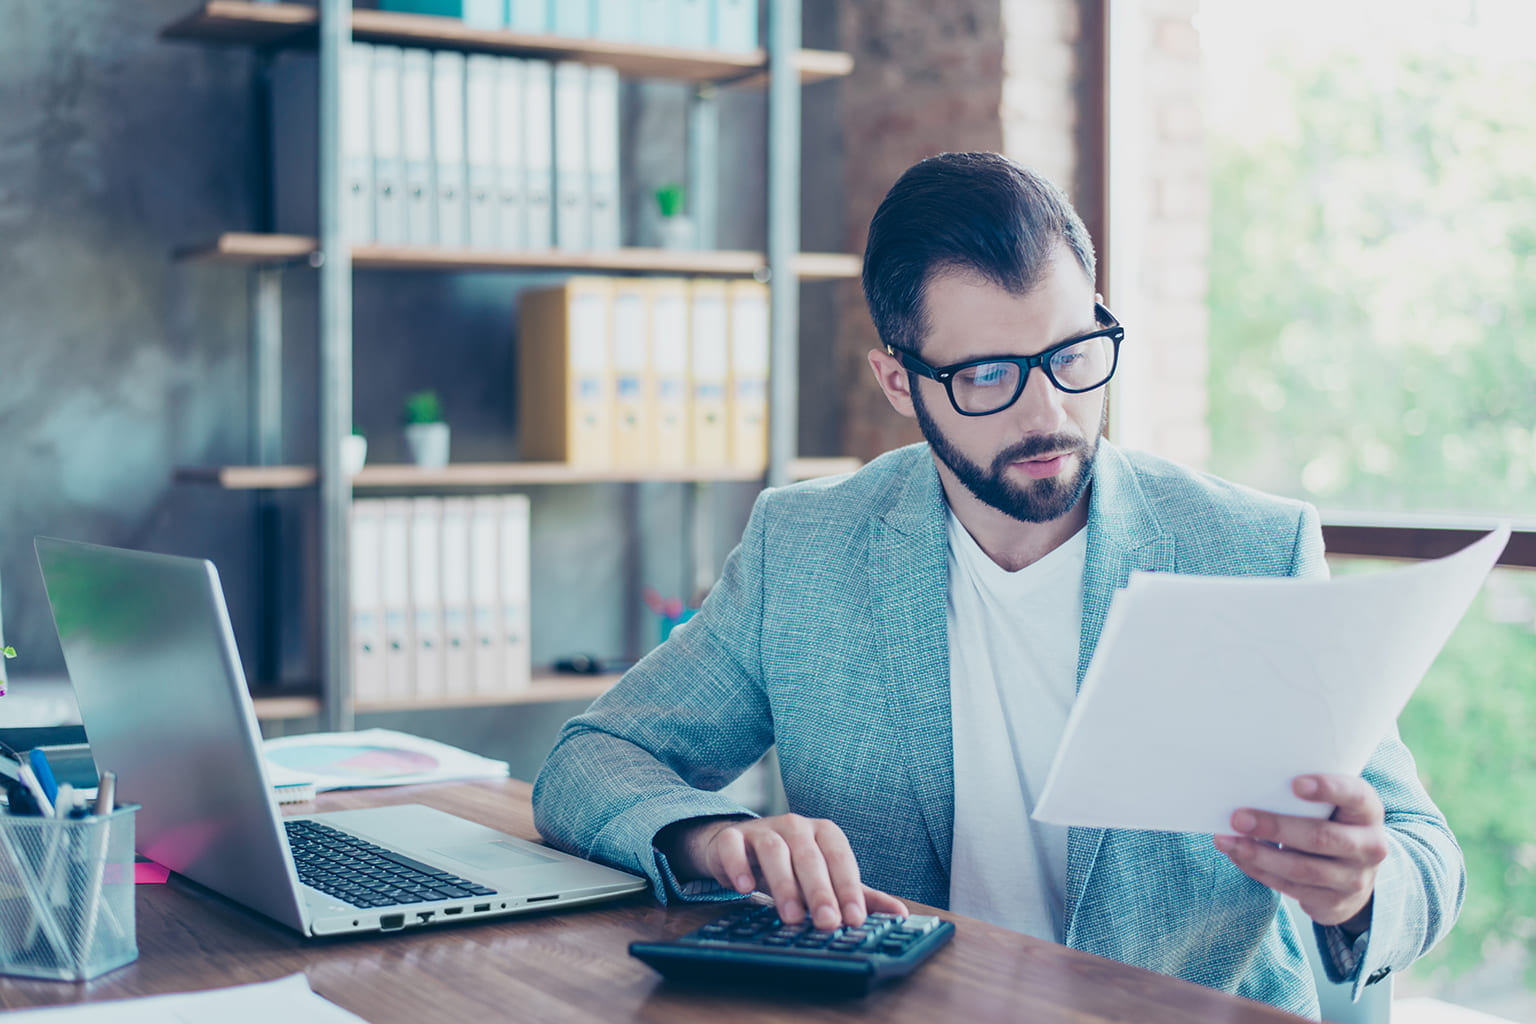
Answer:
(423, 407)
(669, 198)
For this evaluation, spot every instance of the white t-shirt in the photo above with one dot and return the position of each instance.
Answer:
(1013, 645)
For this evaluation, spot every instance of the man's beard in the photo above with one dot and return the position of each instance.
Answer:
(1040, 501)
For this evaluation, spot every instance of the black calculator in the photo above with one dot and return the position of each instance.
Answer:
(750, 946)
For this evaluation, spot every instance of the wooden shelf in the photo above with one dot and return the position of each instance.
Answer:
(248, 478)
(239, 248)
(809, 468)
(493, 474)
(275, 703)
(250, 249)
(240, 22)
(547, 688)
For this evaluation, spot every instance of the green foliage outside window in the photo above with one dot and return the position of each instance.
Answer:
(1373, 348)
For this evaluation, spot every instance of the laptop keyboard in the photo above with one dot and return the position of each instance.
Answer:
(363, 874)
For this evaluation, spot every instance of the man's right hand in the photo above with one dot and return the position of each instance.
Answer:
(805, 864)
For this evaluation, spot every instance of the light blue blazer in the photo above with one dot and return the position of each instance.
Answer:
(826, 634)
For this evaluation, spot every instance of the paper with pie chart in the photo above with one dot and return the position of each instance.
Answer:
(375, 757)
(1207, 694)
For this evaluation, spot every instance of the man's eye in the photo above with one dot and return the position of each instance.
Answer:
(987, 375)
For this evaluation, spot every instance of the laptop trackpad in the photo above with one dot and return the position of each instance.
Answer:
(492, 856)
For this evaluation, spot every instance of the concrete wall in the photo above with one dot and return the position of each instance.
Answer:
(118, 364)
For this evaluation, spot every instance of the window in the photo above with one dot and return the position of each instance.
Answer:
(1372, 349)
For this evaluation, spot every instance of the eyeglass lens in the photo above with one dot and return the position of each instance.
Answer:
(988, 387)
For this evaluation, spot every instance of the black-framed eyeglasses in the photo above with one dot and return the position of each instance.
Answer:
(982, 387)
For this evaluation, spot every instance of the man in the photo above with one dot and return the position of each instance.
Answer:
(912, 636)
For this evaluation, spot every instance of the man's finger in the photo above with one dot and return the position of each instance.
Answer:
(843, 869)
(731, 865)
(883, 902)
(1290, 868)
(776, 866)
(811, 876)
(1355, 801)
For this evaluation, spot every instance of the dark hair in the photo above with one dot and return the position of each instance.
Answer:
(977, 212)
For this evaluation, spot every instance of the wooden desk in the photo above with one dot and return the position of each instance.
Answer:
(573, 966)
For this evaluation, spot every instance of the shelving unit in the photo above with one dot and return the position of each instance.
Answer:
(255, 23)
(246, 249)
(546, 688)
(783, 66)
(490, 474)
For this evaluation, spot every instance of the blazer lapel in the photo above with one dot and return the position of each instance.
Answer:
(1123, 535)
(909, 569)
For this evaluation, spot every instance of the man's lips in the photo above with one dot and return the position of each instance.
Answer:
(1043, 466)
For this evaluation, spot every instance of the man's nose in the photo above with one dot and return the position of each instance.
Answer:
(1039, 406)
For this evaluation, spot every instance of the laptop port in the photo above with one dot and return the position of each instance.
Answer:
(481, 908)
(450, 911)
(391, 922)
(424, 916)
(543, 899)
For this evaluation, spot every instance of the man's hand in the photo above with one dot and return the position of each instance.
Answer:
(1328, 866)
(803, 863)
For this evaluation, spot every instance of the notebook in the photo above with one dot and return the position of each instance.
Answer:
(152, 656)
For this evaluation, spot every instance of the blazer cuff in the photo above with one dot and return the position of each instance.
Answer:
(1376, 959)
(630, 838)
(1341, 957)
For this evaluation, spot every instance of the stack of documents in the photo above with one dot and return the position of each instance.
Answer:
(456, 151)
(439, 594)
(645, 373)
(699, 24)
(1207, 694)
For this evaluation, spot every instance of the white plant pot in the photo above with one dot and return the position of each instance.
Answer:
(428, 443)
(354, 452)
(677, 233)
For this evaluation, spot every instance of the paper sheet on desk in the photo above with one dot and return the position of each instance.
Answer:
(1207, 694)
(287, 998)
(375, 757)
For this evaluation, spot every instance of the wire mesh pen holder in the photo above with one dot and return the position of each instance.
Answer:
(66, 895)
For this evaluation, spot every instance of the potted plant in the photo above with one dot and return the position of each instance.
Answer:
(354, 452)
(426, 433)
(676, 227)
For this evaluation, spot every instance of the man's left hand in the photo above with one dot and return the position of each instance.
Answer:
(1327, 865)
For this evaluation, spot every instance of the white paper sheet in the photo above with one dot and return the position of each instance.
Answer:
(287, 998)
(375, 757)
(1207, 694)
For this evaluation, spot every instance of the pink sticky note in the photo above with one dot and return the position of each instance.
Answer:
(147, 872)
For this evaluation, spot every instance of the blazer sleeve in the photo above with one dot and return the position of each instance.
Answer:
(655, 749)
(1421, 884)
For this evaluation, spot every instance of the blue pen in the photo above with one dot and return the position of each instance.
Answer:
(44, 772)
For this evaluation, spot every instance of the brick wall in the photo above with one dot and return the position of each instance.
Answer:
(1020, 76)
(925, 81)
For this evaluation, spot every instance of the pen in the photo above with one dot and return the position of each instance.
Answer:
(106, 793)
(44, 772)
(28, 779)
(18, 796)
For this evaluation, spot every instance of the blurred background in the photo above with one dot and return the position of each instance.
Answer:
(1317, 221)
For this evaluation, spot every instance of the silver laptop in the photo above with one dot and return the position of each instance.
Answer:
(163, 699)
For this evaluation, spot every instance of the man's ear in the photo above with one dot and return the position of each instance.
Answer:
(893, 380)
